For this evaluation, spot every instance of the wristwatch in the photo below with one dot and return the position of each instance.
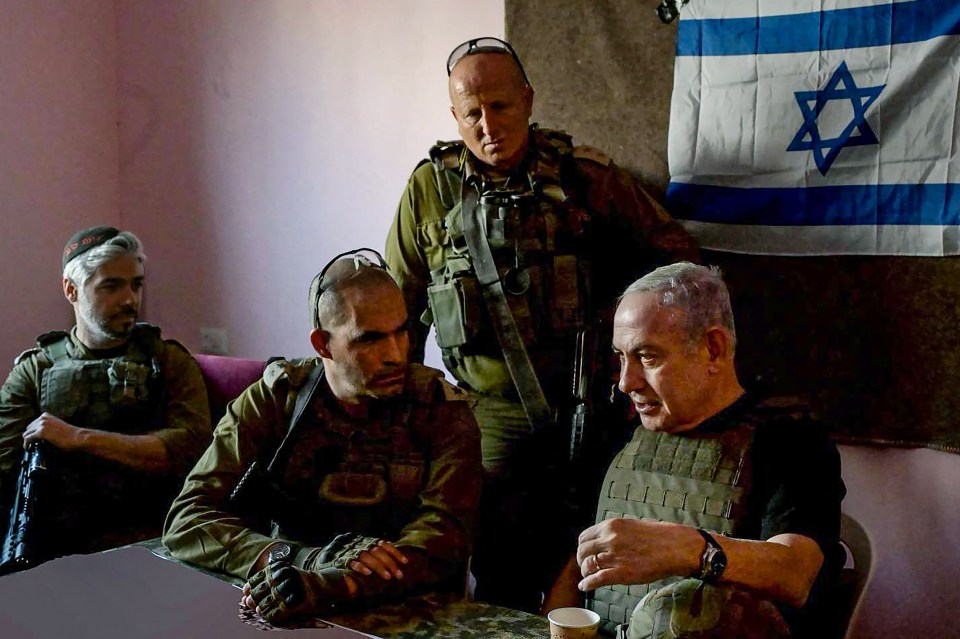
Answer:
(713, 561)
(279, 553)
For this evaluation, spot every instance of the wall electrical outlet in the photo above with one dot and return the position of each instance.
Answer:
(213, 341)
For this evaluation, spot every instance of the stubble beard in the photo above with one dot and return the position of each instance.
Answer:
(99, 327)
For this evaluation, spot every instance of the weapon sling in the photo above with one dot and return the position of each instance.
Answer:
(256, 473)
(514, 351)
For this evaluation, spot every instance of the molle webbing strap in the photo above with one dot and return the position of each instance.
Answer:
(691, 480)
(56, 345)
(514, 351)
(304, 398)
(445, 157)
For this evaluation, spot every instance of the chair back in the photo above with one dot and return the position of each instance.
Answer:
(226, 378)
(856, 573)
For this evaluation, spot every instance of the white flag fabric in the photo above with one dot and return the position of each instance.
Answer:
(816, 127)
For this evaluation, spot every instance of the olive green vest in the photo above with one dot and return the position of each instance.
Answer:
(120, 394)
(102, 504)
(342, 476)
(697, 479)
(538, 235)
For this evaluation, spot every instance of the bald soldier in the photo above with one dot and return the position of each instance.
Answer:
(508, 241)
(345, 478)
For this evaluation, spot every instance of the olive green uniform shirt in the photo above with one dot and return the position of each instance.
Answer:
(185, 428)
(435, 527)
(631, 234)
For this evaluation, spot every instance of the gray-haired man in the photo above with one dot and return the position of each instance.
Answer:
(122, 413)
(739, 492)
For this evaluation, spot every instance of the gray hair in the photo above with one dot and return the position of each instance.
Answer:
(81, 268)
(698, 290)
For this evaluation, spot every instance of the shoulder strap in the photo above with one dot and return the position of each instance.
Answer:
(445, 157)
(511, 344)
(304, 398)
(55, 345)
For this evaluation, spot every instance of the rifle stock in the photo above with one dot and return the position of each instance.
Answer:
(20, 545)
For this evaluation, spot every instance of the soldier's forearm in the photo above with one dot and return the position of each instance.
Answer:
(142, 452)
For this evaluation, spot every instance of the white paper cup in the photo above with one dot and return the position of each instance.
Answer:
(573, 623)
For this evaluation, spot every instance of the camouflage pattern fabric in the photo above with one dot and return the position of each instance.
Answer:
(436, 615)
(431, 615)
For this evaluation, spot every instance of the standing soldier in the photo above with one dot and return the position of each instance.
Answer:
(510, 242)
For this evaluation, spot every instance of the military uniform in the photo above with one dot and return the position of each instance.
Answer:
(147, 386)
(406, 470)
(755, 470)
(587, 232)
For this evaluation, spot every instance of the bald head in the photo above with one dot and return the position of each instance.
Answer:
(345, 275)
(492, 103)
(475, 68)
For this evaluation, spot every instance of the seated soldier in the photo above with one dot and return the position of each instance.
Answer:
(739, 493)
(364, 470)
(120, 413)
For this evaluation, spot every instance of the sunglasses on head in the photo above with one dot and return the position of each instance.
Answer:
(487, 44)
(320, 281)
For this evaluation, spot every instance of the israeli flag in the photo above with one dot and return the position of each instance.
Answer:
(815, 127)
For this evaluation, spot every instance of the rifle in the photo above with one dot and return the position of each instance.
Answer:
(580, 395)
(20, 548)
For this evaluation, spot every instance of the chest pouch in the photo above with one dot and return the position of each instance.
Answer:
(455, 302)
(129, 383)
(67, 388)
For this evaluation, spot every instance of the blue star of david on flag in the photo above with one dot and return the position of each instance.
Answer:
(840, 87)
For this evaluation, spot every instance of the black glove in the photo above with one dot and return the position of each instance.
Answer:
(338, 553)
(282, 591)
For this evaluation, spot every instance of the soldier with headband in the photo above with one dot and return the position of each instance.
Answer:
(122, 413)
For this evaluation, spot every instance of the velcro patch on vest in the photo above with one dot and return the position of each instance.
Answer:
(275, 371)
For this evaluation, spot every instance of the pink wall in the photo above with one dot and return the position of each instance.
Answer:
(259, 139)
(907, 500)
(58, 153)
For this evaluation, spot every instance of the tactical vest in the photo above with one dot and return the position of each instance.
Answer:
(538, 234)
(122, 394)
(342, 475)
(103, 504)
(697, 479)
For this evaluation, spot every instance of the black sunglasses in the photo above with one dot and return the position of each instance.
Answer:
(318, 285)
(487, 44)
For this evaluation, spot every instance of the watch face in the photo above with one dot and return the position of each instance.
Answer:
(718, 563)
(713, 561)
(280, 552)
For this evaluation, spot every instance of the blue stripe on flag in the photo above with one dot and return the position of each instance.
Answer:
(879, 25)
(913, 204)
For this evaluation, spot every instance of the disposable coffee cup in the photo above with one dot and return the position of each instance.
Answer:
(573, 623)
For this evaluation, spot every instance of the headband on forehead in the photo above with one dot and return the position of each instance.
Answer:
(83, 241)
(322, 281)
